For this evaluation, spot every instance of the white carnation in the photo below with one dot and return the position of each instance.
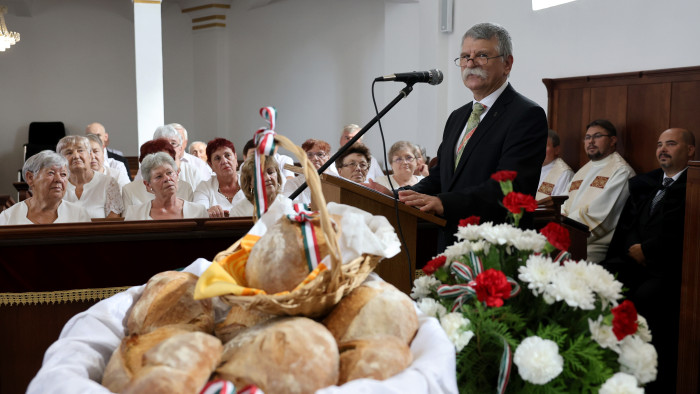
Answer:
(423, 286)
(621, 383)
(431, 307)
(638, 358)
(604, 284)
(457, 250)
(538, 272)
(568, 287)
(500, 234)
(471, 232)
(538, 360)
(530, 240)
(643, 330)
(603, 334)
(456, 327)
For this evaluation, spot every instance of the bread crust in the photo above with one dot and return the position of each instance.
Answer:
(375, 358)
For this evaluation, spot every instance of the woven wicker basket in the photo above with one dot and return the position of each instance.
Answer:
(318, 296)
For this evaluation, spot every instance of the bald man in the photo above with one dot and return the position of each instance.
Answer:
(113, 159)
(647, 249)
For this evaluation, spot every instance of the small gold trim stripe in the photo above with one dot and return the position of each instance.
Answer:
(147, 1)
(205, 6)
(57, 297)
(208, 25)
(208, 18)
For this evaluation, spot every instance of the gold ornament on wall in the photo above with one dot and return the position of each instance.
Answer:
(7, 38)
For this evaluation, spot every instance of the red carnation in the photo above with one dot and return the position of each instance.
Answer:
(470, 220)
(624, 319)
(493, 287)
(514, 201)
(502, 176)
(557, 236)
(434, 264)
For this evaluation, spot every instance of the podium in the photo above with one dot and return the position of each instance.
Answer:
(398, 270)
(549, 210)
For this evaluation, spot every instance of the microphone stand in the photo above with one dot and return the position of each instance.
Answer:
(403, 94)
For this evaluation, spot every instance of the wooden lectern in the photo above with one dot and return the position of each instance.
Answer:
(397, 269)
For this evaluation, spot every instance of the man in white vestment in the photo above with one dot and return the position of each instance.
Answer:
(556, 174)
(598, 191)
(112, 159)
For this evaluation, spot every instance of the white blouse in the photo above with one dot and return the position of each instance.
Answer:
(135, 193)
(121, 176)
(292, 185)
(190, 210)
(100, 196)
(67, 213)
(384, 181)
(208, 194)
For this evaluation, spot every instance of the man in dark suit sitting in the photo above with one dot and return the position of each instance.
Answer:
(647, 248)
(499, 130)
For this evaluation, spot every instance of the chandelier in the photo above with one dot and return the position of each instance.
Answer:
(7, 38)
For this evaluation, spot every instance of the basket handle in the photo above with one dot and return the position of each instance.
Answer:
(314, 182)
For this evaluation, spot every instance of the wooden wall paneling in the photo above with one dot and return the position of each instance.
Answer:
(685, 113)
(648, 114)
(688, 379)
(609, 102)
(570, 116)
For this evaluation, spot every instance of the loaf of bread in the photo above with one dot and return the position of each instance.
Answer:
(282, 355)
(277, 262)
(376, 358)
(179, 364)
(375, 308)
(169, 299)
(127, 359)
(238, 319)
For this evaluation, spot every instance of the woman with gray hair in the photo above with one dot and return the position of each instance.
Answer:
(98, 161)
(46, 174)
(99, 194)
(160, 175)
(402, 156)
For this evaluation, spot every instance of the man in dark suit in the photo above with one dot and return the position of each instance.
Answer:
(499, 130)
(647, 248)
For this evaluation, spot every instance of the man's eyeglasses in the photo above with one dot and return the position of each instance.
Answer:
(401, 160)
(174, 144)
(318, 155)
(595, 136)
(479, 60)
(363, 166)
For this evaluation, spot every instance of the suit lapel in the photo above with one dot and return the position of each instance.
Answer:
(495, 112)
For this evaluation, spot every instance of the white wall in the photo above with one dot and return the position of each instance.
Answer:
(312, 59)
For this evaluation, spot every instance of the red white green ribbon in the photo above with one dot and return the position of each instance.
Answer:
(264, 146)
(250, 389)
(562, 256)
(219, 386)
(304, 215)
(505, 367)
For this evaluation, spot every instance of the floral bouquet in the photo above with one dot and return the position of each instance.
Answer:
(508, 296)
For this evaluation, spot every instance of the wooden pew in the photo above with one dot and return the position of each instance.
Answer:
(48, 273)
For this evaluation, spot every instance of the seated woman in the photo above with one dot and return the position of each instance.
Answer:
(98, 160)
(160, 175)
(403, 163)
(353, 164)
(99, 194)
(47, 175)
(135, 193)
(421, 162)
(318, 153)
(273, 185)
(220, 193)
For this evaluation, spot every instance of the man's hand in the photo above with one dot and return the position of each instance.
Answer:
(424, 202)
(637, 254)
(380, 188)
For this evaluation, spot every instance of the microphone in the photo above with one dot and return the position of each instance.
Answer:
(432, 77)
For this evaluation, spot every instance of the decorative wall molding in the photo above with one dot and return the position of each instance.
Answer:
(206, 14)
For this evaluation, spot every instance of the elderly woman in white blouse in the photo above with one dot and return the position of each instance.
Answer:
(160, 175)
(318, 152)
(98, 161)
(99, 194)
(402, 156)
(46, 174)
(220, 193)
(272, 180)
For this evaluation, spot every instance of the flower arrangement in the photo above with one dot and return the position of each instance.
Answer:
(525, 318)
